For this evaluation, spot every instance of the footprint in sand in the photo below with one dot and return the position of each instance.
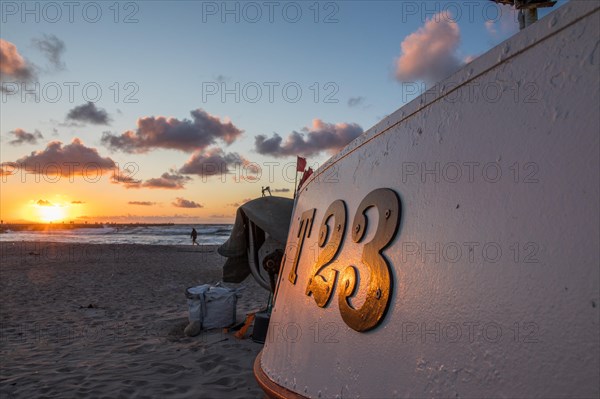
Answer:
(225, 382)
(167, 368)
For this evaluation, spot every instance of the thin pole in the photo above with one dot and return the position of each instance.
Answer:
(296, 184)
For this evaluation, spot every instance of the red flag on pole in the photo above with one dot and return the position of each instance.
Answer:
(305, 177)
(300, 164)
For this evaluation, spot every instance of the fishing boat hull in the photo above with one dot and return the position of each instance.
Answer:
(452, 250)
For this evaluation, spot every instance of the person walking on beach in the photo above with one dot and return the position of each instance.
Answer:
(194, 236)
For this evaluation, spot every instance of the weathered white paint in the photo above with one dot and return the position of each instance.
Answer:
(555, 138)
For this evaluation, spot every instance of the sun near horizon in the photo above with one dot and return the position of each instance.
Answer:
(52, 213)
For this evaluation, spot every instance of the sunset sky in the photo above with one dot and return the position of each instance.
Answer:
(180, 111)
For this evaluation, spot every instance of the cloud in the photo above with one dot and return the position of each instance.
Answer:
(67, 123)
(77, 202)
(90, 114)
(4, 171)
(238, 204)
(321, 136)
(171, 133)
(429, 54)
(211, 162)
(504, 25)
(281, 190)
(12, 64)
(490, 26)
(52, 48)
(143, 203)
(355, 101)
(183, 203)
(171, 181)
(42, 202)
(68, 160)
(127, 181)
(21, 136)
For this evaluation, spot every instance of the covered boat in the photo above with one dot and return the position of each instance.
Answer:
(260, 229)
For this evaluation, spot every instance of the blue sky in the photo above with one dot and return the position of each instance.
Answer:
(171, 53)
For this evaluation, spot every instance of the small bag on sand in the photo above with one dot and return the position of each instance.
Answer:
(212, 307)
(220, 303)
(195, 296)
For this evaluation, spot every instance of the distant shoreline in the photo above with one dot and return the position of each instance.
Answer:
(113, 233)
(68, 226)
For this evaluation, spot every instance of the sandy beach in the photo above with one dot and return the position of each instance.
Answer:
(81, 320)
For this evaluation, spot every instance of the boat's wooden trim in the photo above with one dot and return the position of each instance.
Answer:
(272, 390)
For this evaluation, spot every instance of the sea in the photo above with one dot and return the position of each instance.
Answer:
(176, 234)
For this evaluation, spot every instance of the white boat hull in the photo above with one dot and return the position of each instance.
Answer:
(493, 262)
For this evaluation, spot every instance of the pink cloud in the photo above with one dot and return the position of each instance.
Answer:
(183, 203)
(319, 137)
(429, 54)
(185, 135)
(121, 177)
(21, 136)
(169, 181)
(213, 161)
(66, 160)
(12, 63)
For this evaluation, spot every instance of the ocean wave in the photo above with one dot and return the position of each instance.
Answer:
(127, 234)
